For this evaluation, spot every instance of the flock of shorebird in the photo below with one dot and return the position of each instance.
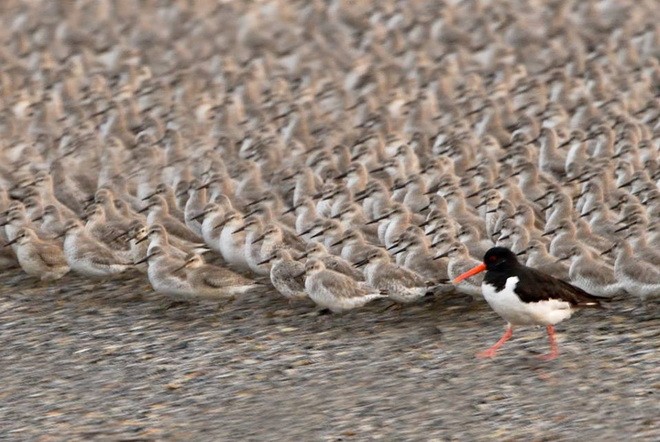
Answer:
(338, 153)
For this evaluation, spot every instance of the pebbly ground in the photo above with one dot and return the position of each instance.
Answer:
(112, 362)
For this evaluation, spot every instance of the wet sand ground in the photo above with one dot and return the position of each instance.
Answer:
(111, 362)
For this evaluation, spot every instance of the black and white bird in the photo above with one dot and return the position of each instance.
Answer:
(526, 296)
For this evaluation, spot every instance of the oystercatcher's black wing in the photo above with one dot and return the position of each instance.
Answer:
(534, 286)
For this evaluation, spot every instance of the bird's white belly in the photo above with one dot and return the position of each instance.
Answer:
(31, 264)
(392, 233)
(326, 298)
(211, 238)
(321, 296)
(231, 249)
(507, 304)
(323, 208)
(641, 289)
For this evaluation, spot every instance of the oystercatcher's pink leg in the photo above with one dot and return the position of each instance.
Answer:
(554, 348)
(491, 351)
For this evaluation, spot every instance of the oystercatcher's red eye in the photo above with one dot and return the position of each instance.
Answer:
(492, 258)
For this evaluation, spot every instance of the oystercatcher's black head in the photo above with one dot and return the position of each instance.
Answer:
(500, 258)
(497, 259)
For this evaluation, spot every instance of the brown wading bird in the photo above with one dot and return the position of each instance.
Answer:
(526, 296)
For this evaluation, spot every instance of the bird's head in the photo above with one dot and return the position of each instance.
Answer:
(496, 259)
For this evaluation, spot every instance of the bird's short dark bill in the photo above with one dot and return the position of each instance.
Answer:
(478, 269)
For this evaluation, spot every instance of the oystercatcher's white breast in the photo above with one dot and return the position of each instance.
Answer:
(508, 305)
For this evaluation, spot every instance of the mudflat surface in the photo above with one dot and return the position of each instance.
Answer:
(112, 362)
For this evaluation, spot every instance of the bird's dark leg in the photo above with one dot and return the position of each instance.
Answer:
(490, 353)
(554, 348)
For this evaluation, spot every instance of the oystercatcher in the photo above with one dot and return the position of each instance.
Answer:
(526, 296)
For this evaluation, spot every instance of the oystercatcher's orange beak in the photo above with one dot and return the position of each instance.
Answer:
(478, 269)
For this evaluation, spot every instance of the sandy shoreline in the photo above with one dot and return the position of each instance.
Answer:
(114, 365)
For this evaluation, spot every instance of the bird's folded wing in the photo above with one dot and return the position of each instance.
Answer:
(339, 265)
(105, 256)
(646, 274)
(51, 255)
(342, 286)
(224, 278)
(292, 240)
(178, 229)
(109, 234)
(535, 286)
(103, 260)
(598, 273)
(406, 277)
(293, 273)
